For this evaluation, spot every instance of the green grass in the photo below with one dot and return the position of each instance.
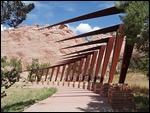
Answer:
(18, 99)
(141, 102)
(141, 98)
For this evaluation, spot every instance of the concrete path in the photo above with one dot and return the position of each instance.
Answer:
(69, 99)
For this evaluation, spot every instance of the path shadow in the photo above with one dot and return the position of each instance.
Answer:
(18, 106)
(98, 104)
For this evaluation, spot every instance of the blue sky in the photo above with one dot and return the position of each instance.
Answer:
(51, 12)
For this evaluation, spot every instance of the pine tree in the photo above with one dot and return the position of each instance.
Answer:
(136, 27)
(136, 23)
(14, 12)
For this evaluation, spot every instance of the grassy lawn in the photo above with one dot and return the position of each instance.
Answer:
(20, 98)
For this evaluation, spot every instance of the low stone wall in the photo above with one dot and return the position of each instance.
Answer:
(104, 89)
(120, 97)
(97, 88)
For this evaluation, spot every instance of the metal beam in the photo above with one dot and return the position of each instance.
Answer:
(106, 59)
(36, 76)
(80, 68)
(82, 54)
(104, 40)
(46, 74)
(41, 73)
(57, 73)
(94, 56)
(116, 53)
(52, 73)
(30, 74)
(74, 69)
(86, 65)
(100, 13)
(100, 31)
(100, 56)
(68, 72)
(84, 50)
(126, 62)
(63, 70)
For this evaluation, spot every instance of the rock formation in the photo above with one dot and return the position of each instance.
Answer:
(27, 42)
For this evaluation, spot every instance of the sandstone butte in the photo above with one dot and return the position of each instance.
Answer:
(27, 42)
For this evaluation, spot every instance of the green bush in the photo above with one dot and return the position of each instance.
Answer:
(34, 66)
(140, 65)
(10, 73)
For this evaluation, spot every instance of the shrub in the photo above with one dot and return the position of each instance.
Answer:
(36, 65)
(10, 73)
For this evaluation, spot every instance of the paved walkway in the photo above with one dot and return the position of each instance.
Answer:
(69, 99)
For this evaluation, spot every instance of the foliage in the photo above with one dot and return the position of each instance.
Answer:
(14, 12)
(136, 23)
(141, 98)
(36, 65)
(25, 98)
(136, 27)
(10, 73)
(140, 64)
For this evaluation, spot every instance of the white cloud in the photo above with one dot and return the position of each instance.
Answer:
(83, 28)
(4, 28)
(72, 28)
(95, 28)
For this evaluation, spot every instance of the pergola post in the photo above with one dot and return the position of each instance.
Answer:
(116, 53)
(52, 73)
(107, 56)
(126, 61)
(100, 56)
(63, 70)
